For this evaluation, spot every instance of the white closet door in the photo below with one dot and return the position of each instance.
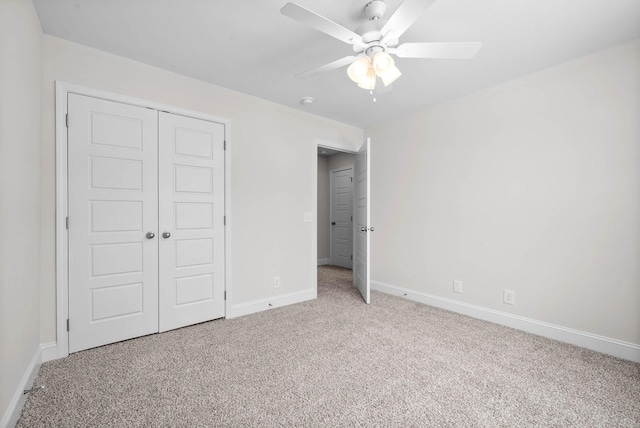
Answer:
(113, 266)
(191, 182)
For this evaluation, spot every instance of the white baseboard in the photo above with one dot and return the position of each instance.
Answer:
(605, 345)
(49, 351)
(12, 413)
(322, 262)
(271, 303)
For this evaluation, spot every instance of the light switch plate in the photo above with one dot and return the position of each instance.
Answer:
(308, 217)
(457, 286)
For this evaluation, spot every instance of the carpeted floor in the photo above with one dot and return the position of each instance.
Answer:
(335, 361)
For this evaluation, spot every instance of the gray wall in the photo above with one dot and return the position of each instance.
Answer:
(20, 137)
(341, 160)
(531, 186)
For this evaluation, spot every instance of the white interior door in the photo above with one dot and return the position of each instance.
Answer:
(362, 229)
(341, 218)
(191, 181)
(113, 265)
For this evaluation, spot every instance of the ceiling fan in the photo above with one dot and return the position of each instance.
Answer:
(376, 40)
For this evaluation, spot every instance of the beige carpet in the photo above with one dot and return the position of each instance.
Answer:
(338, 362)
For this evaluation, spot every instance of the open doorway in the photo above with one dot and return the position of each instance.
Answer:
(336, 201)
(359, 163)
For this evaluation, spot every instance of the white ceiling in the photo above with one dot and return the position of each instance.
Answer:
(250, 47)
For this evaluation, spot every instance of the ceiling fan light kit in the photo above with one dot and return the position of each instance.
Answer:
(376, 40)
(365, 70)
(358, 69)
(369, 80)
(385, 68)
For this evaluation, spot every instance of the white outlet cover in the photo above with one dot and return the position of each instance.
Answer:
(509, 297)
(308, 216)
(457, 286)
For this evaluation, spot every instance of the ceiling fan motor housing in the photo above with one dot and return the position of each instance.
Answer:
(370, 30)
(375, 9)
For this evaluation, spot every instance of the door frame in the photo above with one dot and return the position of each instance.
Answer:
(314, 200)
(331, 183)
(62, 89)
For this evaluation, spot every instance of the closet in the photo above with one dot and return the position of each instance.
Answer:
(145, 221)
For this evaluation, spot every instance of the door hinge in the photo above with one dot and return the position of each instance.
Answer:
(224, 220)
(351, 256)
(66, 120)
(67, 324)
(66, 223)
(224, 145)
(351, 179)
(351, 218)
(225, 294)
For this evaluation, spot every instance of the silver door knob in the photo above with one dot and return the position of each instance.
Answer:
(165, 235)
(150, 235)
(371, 229)
(362, 229)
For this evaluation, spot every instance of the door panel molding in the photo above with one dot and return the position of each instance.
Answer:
(62, 90)
(113, 274)
(335, 258)
(362, 249)
(191, 280)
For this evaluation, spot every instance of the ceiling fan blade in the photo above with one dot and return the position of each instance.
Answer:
(446, 50)
(320, 23)
(334, 65)
(405, 15)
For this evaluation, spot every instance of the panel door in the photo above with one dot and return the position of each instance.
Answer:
(362, 247)
(341, 218)
(113, 266)
(191, 180)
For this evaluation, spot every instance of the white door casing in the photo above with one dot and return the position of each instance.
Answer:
(112, 179)
(361, 277)
(64, 121)
(341, 218)
(191, 234)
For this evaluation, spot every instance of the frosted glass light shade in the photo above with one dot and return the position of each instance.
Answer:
(390, 75)
(369, 81)
(358, 69)
(382, 61)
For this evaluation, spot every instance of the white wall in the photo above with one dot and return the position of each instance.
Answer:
(323, 207)
(532, 186)
(20, 136)
(273, 165)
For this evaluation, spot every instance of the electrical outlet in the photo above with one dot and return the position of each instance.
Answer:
(276, 282)
(509, 297)
(457, 286)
